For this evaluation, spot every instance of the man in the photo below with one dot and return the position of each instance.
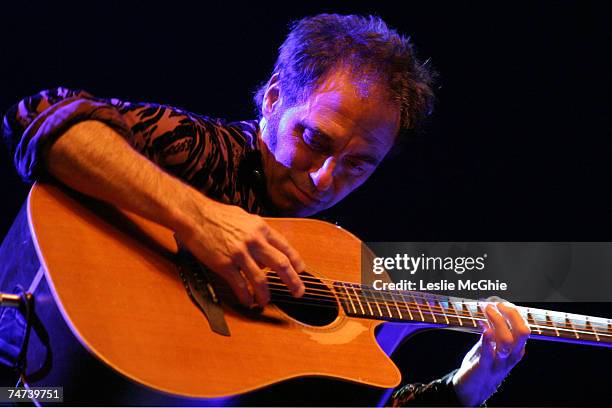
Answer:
(342, 91)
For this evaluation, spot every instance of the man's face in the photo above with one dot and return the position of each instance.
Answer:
(317, 152)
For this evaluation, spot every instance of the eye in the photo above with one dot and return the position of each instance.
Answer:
(356, 167)
(313, 140)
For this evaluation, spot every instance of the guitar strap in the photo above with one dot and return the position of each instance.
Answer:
(24, 303)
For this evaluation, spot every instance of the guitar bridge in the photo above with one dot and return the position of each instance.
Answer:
(199, 287)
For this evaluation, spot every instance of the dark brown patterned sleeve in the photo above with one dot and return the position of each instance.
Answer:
(204, 152)
(438, 393)
(32, 125)
(172, 138)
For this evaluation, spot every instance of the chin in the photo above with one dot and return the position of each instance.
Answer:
(290, 207)
(294, 210)
(298, 212)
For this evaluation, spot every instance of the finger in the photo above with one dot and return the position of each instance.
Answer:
(239, 285)
(487, 351)
(280, 263)
(503, 336)
(256, 278)
(519, 326)
(278, 241)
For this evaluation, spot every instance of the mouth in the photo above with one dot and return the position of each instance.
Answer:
(305, 197)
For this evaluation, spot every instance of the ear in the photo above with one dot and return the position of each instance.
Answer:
(272, 97)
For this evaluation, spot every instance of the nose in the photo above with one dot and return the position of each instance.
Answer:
(324, 177)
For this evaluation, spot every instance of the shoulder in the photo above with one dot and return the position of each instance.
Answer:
(147, 116)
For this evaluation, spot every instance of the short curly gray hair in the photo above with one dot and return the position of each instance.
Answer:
(318, 44)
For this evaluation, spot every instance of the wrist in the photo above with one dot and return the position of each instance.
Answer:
(470, 392)
(465, 395)
(186, 208)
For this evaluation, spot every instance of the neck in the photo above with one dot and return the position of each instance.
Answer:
(466, 314)
(260, 144)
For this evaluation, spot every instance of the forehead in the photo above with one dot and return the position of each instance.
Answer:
(346, 107)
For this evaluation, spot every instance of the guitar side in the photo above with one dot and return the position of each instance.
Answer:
(114, 281)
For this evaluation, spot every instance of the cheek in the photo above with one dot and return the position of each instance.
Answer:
(290, 151)
(348, 185)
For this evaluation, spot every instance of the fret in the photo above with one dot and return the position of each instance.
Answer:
(375, 294)
(564, 325)
(531, 322)
(591, 328)
(442, 311)
(363, 300)
(358, 300)
(579, 322)
(396, 306)
(587, 331)
(467, 307)
(365, 297)
(386, 303)
(600, 327)
(462, 311)
(433, 315)
(426, 302)
(568, 323)
(455, 313)
(348, 296)
(549, 318)
(340, 295)
(480, 311)
(541, 319)
(558, 324)
(418, 308)
(407, 307)
(380, 297)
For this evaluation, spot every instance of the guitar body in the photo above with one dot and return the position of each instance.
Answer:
(111, 296)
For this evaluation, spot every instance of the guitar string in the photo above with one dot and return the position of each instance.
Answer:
(469, 317)
(324, 294)
(447, 299)
(426, 298)
(531, 325)
(294, 300)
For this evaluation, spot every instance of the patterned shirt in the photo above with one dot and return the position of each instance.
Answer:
(220, 159)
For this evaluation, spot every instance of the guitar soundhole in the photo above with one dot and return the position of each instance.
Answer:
(317, 307)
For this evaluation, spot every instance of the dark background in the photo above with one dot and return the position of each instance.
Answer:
(518, 149)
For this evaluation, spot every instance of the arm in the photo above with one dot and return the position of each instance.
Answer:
(440, 392)
(96, 159)
(484, 367)
(92, 158)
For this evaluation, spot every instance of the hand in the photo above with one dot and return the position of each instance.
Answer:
(237, 245)
(501, 346)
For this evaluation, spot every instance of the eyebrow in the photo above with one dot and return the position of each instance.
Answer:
(367, 159)
(320, 133)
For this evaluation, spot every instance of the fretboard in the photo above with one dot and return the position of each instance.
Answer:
(465, 314)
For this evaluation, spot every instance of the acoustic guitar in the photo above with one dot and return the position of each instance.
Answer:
(116, 291)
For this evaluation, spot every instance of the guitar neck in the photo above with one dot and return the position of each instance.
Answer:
(466, 314)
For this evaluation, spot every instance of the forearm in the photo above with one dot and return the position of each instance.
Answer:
(94, 159)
